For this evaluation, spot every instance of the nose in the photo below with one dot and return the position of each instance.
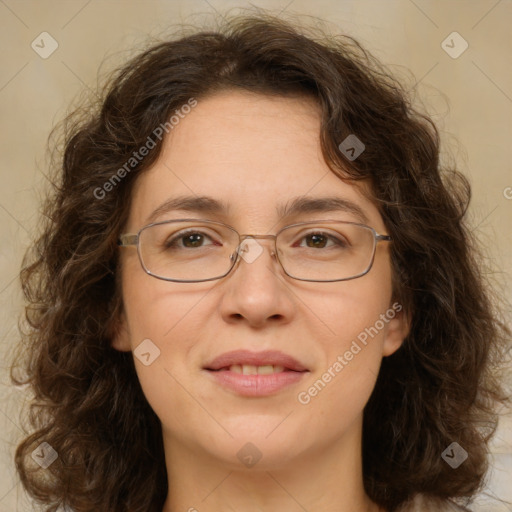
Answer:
(256, 291)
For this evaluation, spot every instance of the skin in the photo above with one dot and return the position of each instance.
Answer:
(255, 152)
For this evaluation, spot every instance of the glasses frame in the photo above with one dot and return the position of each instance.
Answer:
(133, 239)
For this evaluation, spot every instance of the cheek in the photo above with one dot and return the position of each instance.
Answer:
(335, 396)
(158, 309)
(352, 310)
(356, 315)
(164, 327)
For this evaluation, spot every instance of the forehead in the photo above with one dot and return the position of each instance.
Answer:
(253, 153)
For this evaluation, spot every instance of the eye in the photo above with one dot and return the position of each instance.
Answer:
(189, 239)
(320, 240)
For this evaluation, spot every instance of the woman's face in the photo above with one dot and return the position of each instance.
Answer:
(255, 154)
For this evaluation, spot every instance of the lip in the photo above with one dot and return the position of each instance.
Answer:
(255, 385)
(267, 357)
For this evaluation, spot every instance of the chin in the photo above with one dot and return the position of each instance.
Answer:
(262, 442)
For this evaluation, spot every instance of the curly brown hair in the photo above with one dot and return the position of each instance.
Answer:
(441, 386)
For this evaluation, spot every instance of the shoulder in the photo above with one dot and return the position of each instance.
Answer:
(423, 503)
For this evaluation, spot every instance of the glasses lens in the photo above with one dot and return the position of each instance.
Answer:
(202, 250)
(187, 250)
(326, 251)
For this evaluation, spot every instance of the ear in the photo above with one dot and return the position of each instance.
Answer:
(121, 334)
(397, 331)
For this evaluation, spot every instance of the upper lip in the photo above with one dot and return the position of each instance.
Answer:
(246, 357)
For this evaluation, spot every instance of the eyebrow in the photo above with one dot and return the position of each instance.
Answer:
(296, 206)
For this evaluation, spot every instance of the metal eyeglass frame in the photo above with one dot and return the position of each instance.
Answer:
(129, 239)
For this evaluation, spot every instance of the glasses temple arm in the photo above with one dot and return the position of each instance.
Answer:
(128, 239)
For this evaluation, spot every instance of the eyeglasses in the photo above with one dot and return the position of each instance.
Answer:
(193, 250)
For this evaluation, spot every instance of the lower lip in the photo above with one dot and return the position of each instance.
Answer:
(256, 385)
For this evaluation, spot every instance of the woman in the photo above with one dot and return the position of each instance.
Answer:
(255, 290)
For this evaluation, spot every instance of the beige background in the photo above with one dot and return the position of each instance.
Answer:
(470, 97)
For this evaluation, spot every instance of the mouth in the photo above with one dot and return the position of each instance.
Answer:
(251, 369)
(251, 363)
(254, 374)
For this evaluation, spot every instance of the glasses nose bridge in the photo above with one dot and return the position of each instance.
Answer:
(260, 237)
